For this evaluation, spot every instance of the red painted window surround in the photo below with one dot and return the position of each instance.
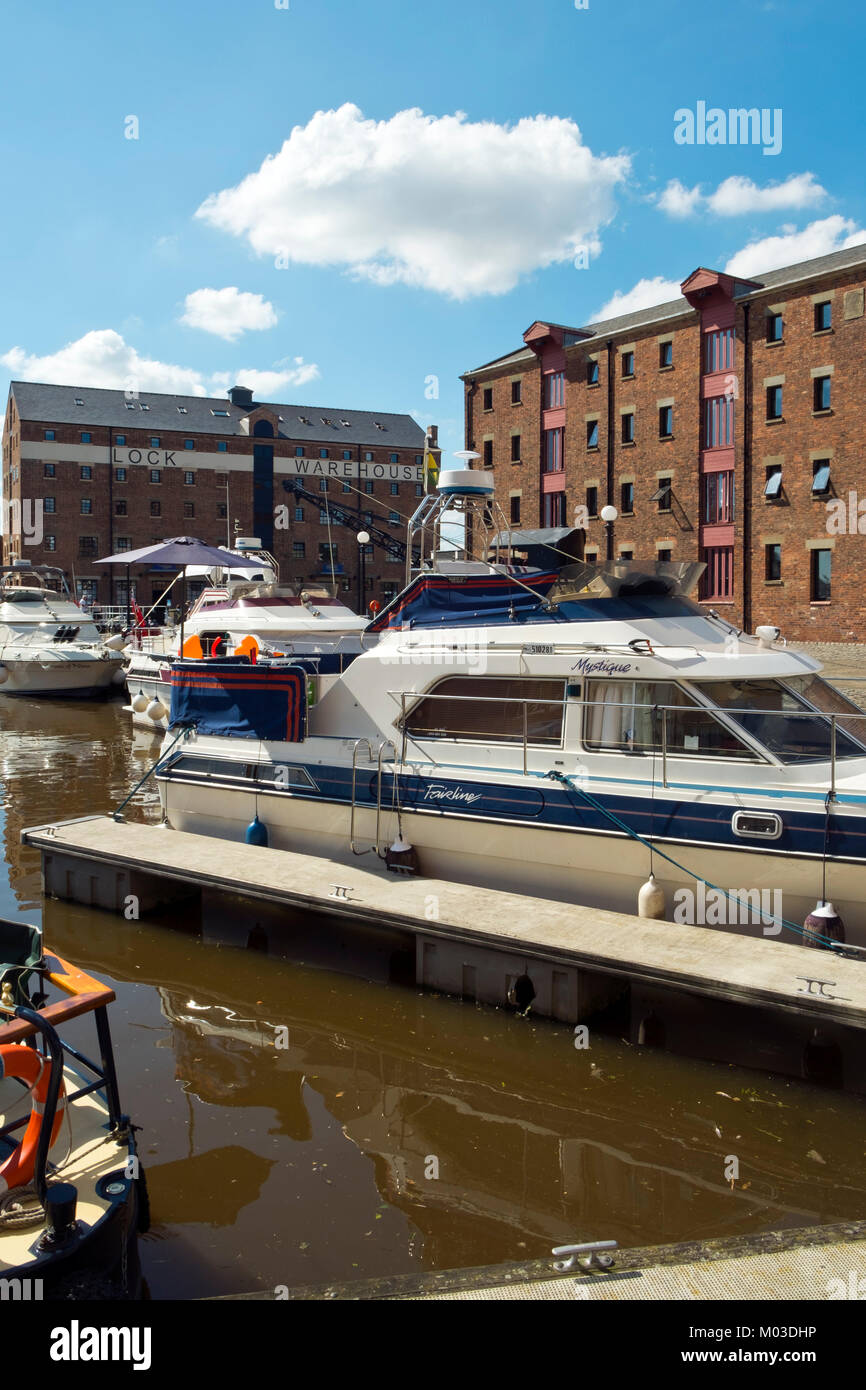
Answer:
(717, 581)
(552, 482)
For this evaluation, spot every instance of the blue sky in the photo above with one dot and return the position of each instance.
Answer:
(411, 246)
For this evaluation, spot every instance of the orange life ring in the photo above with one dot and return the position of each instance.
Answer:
(17, 1060)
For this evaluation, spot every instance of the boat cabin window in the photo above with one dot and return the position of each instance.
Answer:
(487, 709)
(626, 717)
(779, 714)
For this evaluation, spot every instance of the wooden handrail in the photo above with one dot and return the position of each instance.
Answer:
(86, 994)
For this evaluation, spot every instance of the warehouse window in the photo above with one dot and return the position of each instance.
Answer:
(86, 506)
(821, 576)
(774, 402)
(823, 318)
(120, 475)
(222, 446)
(820, 476)
(86, 472)
(48, 471)
(85, 438)
(189, 478)
(189, 443)
(821, 393)
(48, 504)
(772, 562)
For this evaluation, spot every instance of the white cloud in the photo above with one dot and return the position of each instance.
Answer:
(738, 196)
(770, 253)
(817, 239)
(462, 208)
(103, 358)
(679, 201)
(228, 313)
(642, 296)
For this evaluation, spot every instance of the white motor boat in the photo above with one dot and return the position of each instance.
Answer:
(245, 605)
(48, 645)
(565, 734)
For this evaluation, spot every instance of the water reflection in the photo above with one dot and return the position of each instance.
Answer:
(394, 1131)
(534, 1142)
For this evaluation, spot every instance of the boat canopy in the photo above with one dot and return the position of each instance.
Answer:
(235, 697)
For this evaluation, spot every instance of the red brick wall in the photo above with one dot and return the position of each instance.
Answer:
(207, 495)
(796, 519)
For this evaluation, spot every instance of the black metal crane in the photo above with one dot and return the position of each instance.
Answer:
(341, 516)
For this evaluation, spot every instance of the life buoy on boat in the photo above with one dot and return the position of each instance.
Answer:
(17, 1060)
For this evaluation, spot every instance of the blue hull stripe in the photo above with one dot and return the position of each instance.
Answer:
(555, 808)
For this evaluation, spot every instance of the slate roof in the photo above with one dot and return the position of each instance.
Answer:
(675, 308)
(47, 404)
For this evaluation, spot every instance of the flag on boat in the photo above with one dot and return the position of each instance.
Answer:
(431, 467)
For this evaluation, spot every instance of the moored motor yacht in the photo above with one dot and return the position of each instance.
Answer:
(48, 645)
(240, 606)
(563, 733)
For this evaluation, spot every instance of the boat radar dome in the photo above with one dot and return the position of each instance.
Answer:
(463, 482)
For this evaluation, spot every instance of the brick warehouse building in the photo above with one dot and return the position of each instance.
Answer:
(726, 426)
(115, 473)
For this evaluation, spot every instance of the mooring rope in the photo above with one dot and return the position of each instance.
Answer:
(184, 733)
(556, 776)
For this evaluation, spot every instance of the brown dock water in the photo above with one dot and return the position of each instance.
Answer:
(301, 1125)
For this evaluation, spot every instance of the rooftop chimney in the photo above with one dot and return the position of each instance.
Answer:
(241, 396)
(433, 431)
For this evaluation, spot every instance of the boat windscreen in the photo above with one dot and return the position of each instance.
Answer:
(790, 717)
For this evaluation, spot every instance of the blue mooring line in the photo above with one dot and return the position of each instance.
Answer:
(799, 931)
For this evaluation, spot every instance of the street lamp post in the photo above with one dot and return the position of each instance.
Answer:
(609, 515)
(363, 542)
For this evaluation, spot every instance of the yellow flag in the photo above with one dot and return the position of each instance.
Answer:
(431, 472)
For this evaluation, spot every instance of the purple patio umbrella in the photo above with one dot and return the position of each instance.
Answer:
(180, 551)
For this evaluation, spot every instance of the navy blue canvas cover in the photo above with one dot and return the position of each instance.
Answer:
(241, 699)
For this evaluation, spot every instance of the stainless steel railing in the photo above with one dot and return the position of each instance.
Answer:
(526, 740)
